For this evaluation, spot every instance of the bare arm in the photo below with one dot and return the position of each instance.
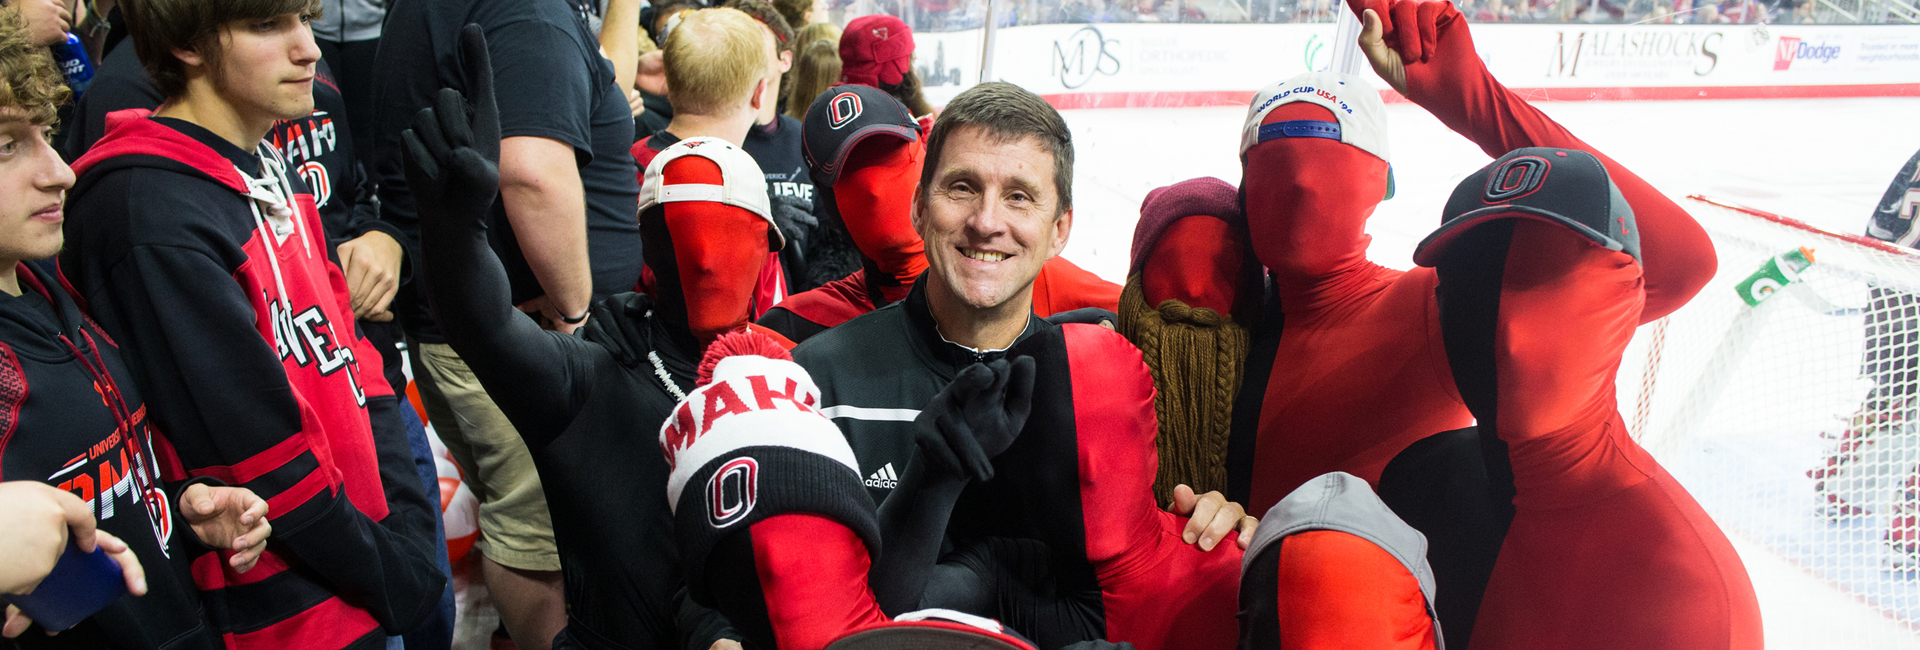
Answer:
(540, 187)
(620, 38)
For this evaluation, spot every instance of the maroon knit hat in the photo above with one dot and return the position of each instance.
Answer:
(875, 49)
(1163, 206)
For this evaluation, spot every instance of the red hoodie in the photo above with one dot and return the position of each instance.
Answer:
(222, 290)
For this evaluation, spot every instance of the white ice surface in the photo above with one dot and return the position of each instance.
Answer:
(1824, 161)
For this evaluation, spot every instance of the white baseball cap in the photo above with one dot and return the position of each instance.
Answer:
(742, 183)
(1363, 117)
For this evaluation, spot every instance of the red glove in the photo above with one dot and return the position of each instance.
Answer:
(1433, 43)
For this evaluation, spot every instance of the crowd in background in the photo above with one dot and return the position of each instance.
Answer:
(956, 15)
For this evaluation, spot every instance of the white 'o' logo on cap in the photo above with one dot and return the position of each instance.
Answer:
(732, 491)
(844, 109)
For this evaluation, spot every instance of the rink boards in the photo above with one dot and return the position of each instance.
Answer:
(1138, 65)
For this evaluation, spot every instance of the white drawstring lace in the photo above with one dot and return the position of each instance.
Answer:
(275, 194)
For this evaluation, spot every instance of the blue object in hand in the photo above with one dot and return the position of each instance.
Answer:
(74, 63)
(81, 583)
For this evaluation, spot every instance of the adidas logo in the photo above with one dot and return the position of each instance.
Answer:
(883, 477)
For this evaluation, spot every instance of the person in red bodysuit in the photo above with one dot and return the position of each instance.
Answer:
(1539, 292)
(1190, 325)
(866, 154)
(1360, 337)
(1340, 336)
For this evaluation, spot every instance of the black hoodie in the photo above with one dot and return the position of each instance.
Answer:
(209, 263)
(75, 420)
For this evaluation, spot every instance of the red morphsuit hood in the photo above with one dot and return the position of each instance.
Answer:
(1201, 262)
(718, 252)
(1197, 262)
(1308, 200)
(875, 198)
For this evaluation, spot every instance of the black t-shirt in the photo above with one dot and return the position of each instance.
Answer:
(658, 115)
(776, 148)
(551, 83)
(117, 84)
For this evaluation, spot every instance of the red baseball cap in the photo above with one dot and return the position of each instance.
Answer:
(875, 49)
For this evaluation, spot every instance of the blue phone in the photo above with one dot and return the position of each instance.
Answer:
(81, 583)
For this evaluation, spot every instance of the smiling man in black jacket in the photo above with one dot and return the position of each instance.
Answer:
(994, 204)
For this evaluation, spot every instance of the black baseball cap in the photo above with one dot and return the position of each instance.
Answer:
(1562, 186)
(843, 116)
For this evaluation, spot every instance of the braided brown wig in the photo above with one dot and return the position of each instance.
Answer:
(1197, 358)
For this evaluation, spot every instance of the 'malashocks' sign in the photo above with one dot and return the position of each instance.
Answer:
(1643, 53)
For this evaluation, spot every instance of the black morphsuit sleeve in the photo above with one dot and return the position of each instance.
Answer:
(913, 522)
(538, 378)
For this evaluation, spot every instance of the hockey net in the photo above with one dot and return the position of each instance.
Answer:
(1794, 424)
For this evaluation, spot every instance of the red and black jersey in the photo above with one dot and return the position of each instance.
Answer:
(71, 417)
(209, 263)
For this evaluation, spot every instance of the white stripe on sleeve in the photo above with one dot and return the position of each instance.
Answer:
(871, 414)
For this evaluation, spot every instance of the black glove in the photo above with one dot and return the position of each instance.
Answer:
(1086, 315)
(794, 215)
(976, 417)
(453, 160)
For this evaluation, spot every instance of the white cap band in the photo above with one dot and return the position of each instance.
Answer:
(743, 185)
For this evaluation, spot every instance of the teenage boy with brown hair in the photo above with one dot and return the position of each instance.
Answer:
(202, 254)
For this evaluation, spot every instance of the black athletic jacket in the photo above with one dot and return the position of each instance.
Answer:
(75, 420)
(877, 371)
(589, 408)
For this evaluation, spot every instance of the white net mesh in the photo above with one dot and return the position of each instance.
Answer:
(1793, 423)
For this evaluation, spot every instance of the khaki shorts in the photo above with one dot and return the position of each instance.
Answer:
(515, 529)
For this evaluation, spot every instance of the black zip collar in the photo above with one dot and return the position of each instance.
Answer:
(949, 357)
